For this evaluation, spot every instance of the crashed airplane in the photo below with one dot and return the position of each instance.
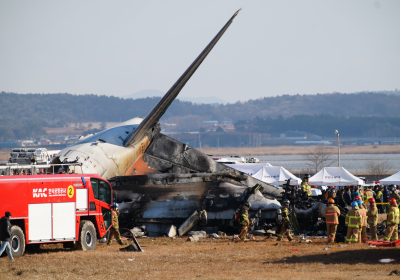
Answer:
(161, 181)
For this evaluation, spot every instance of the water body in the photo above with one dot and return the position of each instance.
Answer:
(352, 162)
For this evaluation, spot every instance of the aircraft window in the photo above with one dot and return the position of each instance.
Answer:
(224, 195)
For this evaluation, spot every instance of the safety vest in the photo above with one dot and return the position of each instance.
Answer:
(373, 215)
(393, 216)
(353, 218)
(332, 214)
(305, 187)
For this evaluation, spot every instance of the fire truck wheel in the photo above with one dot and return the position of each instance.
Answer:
(87, 236)
(17, 241)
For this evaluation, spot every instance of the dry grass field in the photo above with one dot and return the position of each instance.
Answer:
(207, 259)
(300, 150)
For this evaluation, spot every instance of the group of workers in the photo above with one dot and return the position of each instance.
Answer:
(378, 199)
(360, 216)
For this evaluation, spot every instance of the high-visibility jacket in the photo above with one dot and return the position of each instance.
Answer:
(353, 218)
(244, 219)
(372, 214)
(305, 187)
(379, 196)
(393, 216)
(368, 194)
(332, 214)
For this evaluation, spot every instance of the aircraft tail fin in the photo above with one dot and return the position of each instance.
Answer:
(158, 111)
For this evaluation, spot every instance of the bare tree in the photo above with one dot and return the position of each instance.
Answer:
(378, 166)
(318, 157)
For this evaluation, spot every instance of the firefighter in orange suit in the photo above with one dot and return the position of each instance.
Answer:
(392, 221)
(372, 215)
(114, 230)
(353, 223)
(332, 214)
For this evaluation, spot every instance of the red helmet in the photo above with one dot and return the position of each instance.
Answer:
(371, 200)
(357, 197)
(392, 201)
(331, 201)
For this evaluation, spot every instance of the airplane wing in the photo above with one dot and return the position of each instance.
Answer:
(158, 111)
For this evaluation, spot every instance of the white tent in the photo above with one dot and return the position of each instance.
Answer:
(334, 176)
(249, 168)
(391, 180)
(274, 175)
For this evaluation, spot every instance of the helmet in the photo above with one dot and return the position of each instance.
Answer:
(285, 202)
(391, 187)
(332, 190)
(354, 204)
(359, 202)
(247, 204)
(357, 197)
(115, 205)
(392, 201)
(244, 211)
(371, 200)
(331, 201)
(306, 176)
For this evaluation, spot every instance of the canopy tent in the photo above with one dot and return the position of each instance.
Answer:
(274, 175)
(334, 176)
(391, 180)
(249, 168)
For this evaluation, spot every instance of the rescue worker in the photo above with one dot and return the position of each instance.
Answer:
(392, 221)
(368, 193)
(362, 236)
(393, 193)
(114, 230)
(385, 194)
(353, 223)
(244, 220)
(379, 199)
(305, 186)
(347, 196)
(285, 221)
(332, 214)
(5, 235)
(372, 215)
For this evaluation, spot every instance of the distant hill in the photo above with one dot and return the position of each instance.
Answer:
(23, 115)
(157, 93)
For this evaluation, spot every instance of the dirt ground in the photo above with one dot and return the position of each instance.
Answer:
(165, 258)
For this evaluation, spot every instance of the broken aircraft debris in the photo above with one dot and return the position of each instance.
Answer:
(159, 181)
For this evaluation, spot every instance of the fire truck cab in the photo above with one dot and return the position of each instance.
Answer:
(70, 208)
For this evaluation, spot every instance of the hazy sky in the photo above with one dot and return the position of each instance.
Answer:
(272, 47)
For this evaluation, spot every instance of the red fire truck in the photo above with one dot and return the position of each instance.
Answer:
(71, 208)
